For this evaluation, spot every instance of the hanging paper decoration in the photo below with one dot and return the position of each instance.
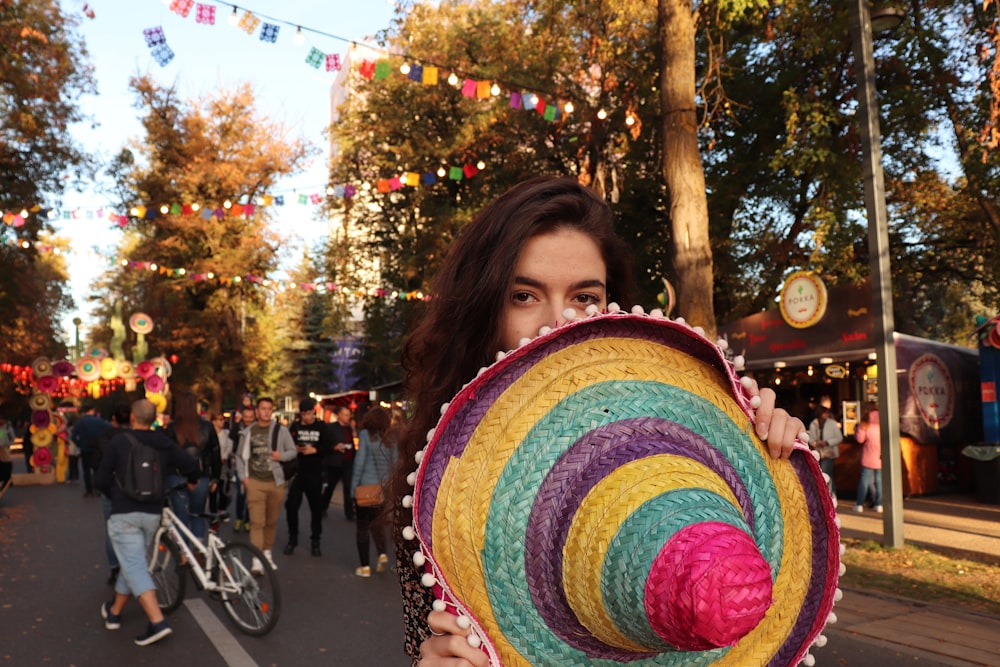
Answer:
(469, 88)
(455, 173)
(382, 70)
(248, 22)
(316, 199)
(333, 62)
(163, 54)
(181, 7)
(416, 73)
(154, 36)
(269, 33)
(205, 14)
(515, 100)
(315, 57)
(303, 199)
(367, 69)
(279, 200)
(430, 77)
(483, 90)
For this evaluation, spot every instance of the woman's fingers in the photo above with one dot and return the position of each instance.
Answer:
(776, 426)
(449, 646)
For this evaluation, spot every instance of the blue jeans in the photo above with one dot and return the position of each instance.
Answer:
(826, 465)
(871, 480)
(131, 534)
(108, 549)
(187, 504)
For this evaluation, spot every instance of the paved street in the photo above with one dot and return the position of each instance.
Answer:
(52, 582)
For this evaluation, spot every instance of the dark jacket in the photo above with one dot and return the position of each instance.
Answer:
(115, 461)
(318, 435)
(206, 451)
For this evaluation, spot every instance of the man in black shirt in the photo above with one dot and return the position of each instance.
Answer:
(312, 441)
(340, 464)
(133, 523)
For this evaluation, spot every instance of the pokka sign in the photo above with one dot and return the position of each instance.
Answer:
(932, 389)
(803, 300)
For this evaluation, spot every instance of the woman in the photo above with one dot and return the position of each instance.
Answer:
(545, 245)
(219, 500)
(869, 436)
(197, 437)
(374, 460)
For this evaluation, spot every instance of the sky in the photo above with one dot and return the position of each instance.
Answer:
(206, 58)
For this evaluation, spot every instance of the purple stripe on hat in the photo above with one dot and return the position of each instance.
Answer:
(581, 467)
(475, 400)
(825, 554)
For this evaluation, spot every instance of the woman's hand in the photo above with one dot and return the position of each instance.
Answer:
(448, 646)
(774, 425)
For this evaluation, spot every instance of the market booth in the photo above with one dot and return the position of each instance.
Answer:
(820, 344)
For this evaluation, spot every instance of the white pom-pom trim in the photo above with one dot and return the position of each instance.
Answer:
(809, 660)
(739, 362)
(700, 331)
(722, 344)
(680, 320)
(419, 456)
(463, 622)
(407, 502)
(411, 479)
(614, 307)
(820, 641)
(430, 434)
(428, 580)
(638, 310)
(656, 313)
(524, 341)
(409, 533)
(755, 402)
(746, 383)
(544, 330)
(439, 605)
(475, 641)
(500, 355)
(444, 407)
(569, 314)
(419, 559)
(838, 595)
(832, 618)
(592, 310)
(842, 570)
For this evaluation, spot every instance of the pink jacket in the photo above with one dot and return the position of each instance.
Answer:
(870, 437)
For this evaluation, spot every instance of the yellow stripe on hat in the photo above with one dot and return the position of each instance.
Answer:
(602, 513)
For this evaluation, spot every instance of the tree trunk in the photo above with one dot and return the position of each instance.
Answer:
(683, 173)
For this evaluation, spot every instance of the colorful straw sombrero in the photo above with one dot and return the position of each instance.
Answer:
(598, 496)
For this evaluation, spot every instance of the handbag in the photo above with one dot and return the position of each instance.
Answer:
(368, 495)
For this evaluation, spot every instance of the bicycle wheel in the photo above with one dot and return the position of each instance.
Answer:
(168, 573)
(253, 602)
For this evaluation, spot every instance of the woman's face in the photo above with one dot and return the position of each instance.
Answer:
(556, 270)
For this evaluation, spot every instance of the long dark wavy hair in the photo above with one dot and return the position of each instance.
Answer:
(461, 329)
(185, 419)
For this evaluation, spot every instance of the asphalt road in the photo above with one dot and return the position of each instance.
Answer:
(52, 583)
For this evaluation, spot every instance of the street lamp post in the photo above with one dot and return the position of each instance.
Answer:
(881, 276)
(76, 348)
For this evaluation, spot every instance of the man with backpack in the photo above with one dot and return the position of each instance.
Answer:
(133, 474)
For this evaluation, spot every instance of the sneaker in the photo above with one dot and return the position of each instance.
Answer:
(238, 524)
(154, 633)
(270, 559)
(364, 571)
(314, 550)
(859, 508)
(878, 508)
(246, 526)
(289, 549)
(383, 563)
(111, 621)
(256, 567)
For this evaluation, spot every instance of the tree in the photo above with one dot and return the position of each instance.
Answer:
(204, 161)
(43, 73)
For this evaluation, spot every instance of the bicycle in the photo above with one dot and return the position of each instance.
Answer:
(252, 601)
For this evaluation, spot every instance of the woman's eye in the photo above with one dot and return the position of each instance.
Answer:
(521, 297)
(587, 299)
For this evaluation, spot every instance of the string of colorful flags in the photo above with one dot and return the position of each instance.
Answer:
(414, 69)
(242, 206)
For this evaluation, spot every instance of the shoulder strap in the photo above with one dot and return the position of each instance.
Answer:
(274, 435)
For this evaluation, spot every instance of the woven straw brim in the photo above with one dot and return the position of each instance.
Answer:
(559, 484)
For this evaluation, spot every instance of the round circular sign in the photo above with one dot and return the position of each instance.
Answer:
(62, 368)
(39, 402)
(803, 300)
(47, 384)
(41, 367)
(109, 368)
(141, 323)
(932, 389)
(88, 369)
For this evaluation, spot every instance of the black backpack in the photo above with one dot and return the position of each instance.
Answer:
(143, 473)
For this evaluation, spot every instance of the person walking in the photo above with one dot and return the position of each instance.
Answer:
(247, 418)
(312, 441)
(87, 431)
(262, 447)
(339, 464)
(197, 437)
(6, 458)
(373, 463)
(825, 437)
(219, 500)
(869, 436)
(133, 523)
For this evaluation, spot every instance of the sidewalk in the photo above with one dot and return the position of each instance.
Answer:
(946, 635)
